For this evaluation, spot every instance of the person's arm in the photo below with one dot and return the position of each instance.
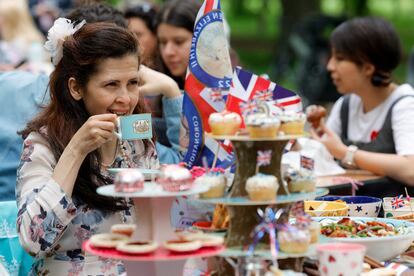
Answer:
(395, 166)
(154, 83)
(44, 208)
(172, 111)
(44, 186)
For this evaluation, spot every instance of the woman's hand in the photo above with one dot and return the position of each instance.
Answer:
(331, 141)
(155, 83)
(95, 132)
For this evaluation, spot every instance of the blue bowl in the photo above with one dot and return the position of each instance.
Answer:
(359, 206)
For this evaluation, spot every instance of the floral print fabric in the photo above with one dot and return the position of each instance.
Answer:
(53, 226)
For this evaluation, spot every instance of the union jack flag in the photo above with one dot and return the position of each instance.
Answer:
(249, 107)
(246, 85)
(216, 95)
(307, 163)
(397, 202)
(264, 157)
(264, 95)
(298, 208)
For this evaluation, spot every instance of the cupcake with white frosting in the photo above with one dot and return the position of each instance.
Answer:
(224, 123)
(300, 180)
(175, 178)
(262, 125)
(216, 181)
(292, 123)
(129, 181)
(293, 240)
(262, 187)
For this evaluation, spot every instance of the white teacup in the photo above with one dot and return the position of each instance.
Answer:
(341, 259)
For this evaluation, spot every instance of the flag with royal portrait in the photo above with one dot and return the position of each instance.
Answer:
(207, 83)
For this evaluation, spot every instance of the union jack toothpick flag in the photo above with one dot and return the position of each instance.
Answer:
(215, 95)
(307, 163)
(397, 202)
(298, 208)
(264, 157)
(249, 107)
(264, 95)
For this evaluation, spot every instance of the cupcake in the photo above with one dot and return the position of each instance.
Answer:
(300, 181)
(314, 230)
(293, 240)
(224, 123)
(129, 181)
(174, 178)
(216, 181)
(262, 187)
(261, 125)
(292, 123)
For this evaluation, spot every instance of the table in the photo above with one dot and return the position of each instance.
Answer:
(359, 175)
(339, 185)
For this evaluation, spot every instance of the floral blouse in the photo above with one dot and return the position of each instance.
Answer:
(52, 226)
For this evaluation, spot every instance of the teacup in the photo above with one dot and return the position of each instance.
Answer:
(340, 259)
(134, 127)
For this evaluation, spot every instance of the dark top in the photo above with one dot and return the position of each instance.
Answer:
(384, 143)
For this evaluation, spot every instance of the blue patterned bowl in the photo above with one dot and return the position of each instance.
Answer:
(359, 206)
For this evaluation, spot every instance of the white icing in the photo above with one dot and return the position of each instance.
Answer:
(260, 181)
(224, 117)
(176, 173)
(300, 175)
(129, 176)
(294, 236)
(289, 116)
(211, 180)
(262, 119)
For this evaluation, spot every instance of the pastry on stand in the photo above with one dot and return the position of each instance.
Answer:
(242, 210)
(142, 252)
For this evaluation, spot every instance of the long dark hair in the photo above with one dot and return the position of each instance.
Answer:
(372, 40)
(63, 116)
(178, 13)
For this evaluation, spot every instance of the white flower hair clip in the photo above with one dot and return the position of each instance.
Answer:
(61, 29)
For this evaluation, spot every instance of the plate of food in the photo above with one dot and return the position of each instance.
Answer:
(384, 238)
(219, 223)
(207, 226)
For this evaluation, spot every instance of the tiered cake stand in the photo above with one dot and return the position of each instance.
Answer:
(153, 223)
(242, 211)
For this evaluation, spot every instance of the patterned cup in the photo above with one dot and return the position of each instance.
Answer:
(340, 259)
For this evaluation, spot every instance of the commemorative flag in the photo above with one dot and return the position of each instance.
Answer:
(209, 71)
(247, 87)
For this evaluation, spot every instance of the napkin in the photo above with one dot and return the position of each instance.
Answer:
(324, 161)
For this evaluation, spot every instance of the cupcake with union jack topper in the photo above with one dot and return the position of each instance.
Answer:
(215, 180)
(262, 187)
(262, 125)
(175, 178)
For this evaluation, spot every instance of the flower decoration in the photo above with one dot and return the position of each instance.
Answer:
(61, 29)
